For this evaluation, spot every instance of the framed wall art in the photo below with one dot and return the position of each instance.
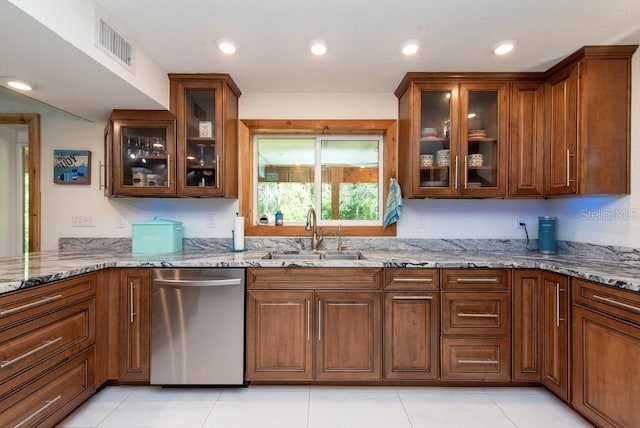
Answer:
(72, 166)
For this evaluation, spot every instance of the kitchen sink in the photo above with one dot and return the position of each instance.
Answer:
(313, 255)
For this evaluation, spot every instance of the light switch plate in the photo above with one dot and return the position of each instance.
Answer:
(82, 221)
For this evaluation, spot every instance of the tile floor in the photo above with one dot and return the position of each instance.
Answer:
(322, 407)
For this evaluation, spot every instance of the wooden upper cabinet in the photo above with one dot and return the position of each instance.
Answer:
(206, 110)
(526, 134)
(452, 135)
(140, 154)
(562, 133)
(588, 97)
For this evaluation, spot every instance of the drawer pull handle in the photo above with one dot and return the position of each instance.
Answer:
(480, 280)
(616, 303)
(477, 361)
(425, 280)
(33, 351)
(308, 320)
(463, 315)
(30, 305)
(412, 298)
(47, 404)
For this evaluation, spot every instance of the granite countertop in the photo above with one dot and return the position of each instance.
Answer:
(39, 268)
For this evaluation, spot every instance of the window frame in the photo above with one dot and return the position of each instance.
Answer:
(387, 128)
(318, 139)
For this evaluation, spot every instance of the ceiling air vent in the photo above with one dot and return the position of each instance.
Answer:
(114, 44)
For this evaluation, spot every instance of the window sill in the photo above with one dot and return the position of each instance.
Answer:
(271, 230)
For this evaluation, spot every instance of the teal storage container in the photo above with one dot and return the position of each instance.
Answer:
(156, 236)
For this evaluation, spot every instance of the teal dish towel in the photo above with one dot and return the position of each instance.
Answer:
(393, 207)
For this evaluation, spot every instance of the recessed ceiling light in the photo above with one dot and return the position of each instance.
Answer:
(19, 84)
(504, 47)
(226, 46)
(318, 47)
(410, 47)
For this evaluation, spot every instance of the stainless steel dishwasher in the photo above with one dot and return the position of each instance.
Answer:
(197, 326)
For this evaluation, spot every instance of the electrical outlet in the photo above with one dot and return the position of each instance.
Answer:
(520, 219)
(211, 221)
(82, 221)
(422, 221)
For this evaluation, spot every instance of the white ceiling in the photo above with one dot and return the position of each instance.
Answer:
(273, 38)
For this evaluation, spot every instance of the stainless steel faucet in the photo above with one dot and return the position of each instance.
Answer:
(312, 225)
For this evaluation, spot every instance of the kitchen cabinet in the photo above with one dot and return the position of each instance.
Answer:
(526, 138)
(606, 343)
(349, 337)
(206, 110)
(555, 331)
(47, 337)
(140, 154)
(279, 330)
(587, 110)
(314, 324)
(453, 134)
(135, 325)
(475, 325)
(411, 324)
(527, 325)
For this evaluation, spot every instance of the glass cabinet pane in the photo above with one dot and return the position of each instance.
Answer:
(145, 162)
(481, 166)
(201, 151)
(435, 143)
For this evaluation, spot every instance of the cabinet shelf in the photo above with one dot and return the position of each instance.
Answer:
(482, 140)
(202, 139)
(201, 167)
(435, 139)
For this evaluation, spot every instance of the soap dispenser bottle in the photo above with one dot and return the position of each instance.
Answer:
(279, 221)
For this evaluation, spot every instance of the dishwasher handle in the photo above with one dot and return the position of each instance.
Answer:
(198, 282)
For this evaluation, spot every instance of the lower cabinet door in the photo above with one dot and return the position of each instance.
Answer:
(527, 325)
(555, 330)
(52, 396)
(411, 336)
(279, 335)
(135, 325)
(476, 359)
(606, 377)
(348, 337)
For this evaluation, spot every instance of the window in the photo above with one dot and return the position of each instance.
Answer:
(340, 167)
(337, 175)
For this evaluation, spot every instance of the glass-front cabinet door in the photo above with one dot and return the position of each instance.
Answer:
(200, 149)
(143, 156)
(437, 154)
(452, 136)
(483, 139)
(206, 109)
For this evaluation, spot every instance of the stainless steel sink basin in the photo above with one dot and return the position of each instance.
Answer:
(343, 255)
(313, 255)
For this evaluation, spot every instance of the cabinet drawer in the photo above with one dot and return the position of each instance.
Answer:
(411, 279)
(70, 330)
(26, 304)
(475, 279)
(52, 396)
(482, 359)
(324, 278)
(475, 313)
(614, 301)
